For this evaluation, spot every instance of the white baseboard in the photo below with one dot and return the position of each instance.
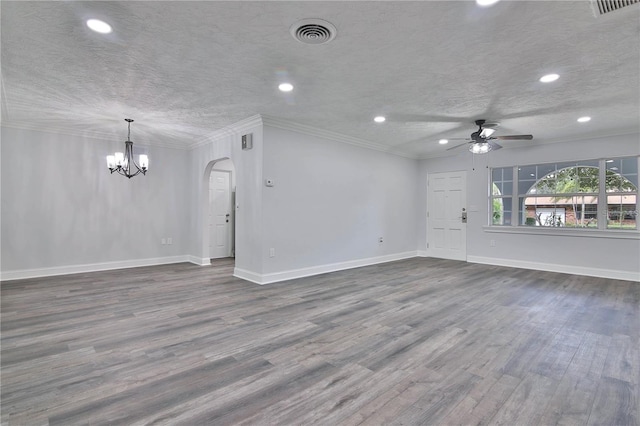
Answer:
(316, 270)
(551, 267)
(91, 267)
(248, 276)
(200, 261)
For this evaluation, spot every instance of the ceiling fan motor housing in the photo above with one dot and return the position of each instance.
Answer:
(476, 136)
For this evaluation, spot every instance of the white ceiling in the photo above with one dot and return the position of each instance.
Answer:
(184, 70)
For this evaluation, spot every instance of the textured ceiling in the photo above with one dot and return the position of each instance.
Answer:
(184, 70)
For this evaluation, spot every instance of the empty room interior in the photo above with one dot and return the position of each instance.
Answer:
(331, 213)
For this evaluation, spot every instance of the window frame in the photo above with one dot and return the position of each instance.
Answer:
(602, 228)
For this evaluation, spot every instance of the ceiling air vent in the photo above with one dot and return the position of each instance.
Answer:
(600, 7)
(313, 31)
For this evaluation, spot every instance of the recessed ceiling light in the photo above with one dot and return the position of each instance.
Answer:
(443, 141)
(379, 119)
(485, 3)
(286, 87)
(549, 78)
(584, 119)
(99, 26)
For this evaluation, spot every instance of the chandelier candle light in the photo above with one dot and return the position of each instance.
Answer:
(122, 163)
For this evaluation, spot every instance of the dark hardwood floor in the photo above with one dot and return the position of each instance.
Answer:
(419, 341)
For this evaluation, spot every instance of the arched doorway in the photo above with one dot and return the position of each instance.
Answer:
(219, 202)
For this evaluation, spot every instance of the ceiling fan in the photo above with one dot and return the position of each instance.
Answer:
(482, 141)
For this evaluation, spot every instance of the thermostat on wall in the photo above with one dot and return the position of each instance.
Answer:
(247, 141)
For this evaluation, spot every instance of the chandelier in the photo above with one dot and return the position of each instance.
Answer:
(124, 163)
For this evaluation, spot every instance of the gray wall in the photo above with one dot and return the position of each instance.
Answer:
(332, 201)
(60, 206)
(329, 205)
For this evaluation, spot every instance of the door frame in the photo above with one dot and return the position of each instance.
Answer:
(203, 215)
(429, 220)
(229, 237)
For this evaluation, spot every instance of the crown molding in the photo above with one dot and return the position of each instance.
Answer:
(234, 129)
(257, 120)
(328, 134)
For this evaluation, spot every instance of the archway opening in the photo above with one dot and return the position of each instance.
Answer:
(218, 210)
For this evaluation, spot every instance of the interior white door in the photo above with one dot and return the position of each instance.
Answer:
(219, 214)
(447, 215)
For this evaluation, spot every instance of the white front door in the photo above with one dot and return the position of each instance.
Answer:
(446, 215)
(219, 214)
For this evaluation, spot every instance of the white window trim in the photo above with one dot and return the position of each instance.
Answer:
(600, 232)
(567, 232)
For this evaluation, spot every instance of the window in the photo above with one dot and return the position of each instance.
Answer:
(502, 184)
(598, 194)
(555, 195)
(622, 191)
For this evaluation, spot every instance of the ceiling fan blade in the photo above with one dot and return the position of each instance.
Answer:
(460, 139)
(457, 146)
(513, 137)
(495, 145)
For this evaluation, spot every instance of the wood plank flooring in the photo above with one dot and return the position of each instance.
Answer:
(413, 342)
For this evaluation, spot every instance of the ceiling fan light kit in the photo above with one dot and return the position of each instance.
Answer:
(123, 163)
(480, 147)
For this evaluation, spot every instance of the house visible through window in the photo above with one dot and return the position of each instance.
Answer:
(585, 194)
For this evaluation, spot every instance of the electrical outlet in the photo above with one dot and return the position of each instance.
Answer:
(169, 240)
(492, 243)
(163, 241)
(272, 252)
(381, 240)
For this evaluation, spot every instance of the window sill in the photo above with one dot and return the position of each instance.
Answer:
(566, 232)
